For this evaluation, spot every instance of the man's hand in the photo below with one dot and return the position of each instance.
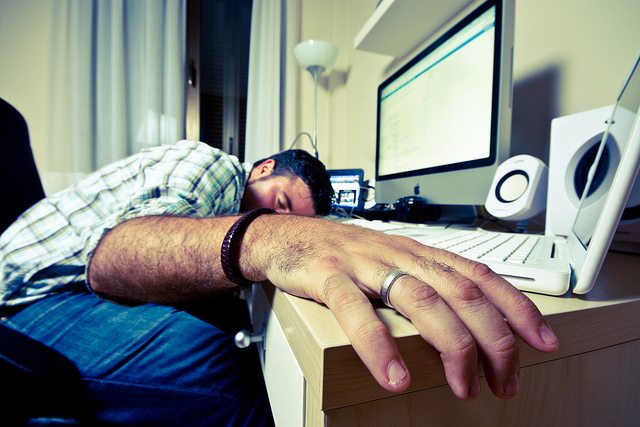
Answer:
(460, 307)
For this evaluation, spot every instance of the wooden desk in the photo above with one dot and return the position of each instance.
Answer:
(593, 379)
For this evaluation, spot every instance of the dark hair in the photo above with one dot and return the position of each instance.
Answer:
(310, 170)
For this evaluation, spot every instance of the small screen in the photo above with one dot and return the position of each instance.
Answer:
(435, 113)
(346, 187)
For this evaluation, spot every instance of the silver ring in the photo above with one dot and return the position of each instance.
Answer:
(387, 283)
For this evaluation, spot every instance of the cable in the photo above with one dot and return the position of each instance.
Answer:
(371, 195)
(313, 144)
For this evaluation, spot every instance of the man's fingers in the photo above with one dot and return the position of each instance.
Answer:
(520, 312)
(368, 335)
(486, 324)
(440, 327)
(522, 315)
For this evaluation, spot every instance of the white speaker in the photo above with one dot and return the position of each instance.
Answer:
(573, 148)
(519, 188)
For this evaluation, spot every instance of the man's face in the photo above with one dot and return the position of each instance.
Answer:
(282, 193)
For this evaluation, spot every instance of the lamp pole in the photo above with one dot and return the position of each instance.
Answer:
(316, 56)
(315, 71)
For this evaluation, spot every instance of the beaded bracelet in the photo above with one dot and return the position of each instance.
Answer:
(229, 253)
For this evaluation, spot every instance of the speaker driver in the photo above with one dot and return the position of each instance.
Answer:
(512, 186)
(581, 175)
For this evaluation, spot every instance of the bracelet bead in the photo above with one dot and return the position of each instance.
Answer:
(229, 252)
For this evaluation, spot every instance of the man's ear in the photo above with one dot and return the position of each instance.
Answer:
(263, 169)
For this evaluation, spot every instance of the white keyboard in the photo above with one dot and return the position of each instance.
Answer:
(474, 243)
(486, 245)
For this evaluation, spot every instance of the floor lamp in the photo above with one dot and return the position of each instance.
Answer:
(316, 56)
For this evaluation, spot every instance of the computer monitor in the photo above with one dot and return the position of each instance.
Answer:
(444, 118)
(347, 188)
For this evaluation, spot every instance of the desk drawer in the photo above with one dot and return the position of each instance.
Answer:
(282, 374)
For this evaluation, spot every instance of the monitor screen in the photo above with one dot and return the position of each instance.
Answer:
(347, 188)
(444, 117)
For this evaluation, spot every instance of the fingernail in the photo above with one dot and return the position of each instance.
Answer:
(396, 372)
(547, 334)
(512, 386)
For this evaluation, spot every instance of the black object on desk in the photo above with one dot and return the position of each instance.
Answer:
(415, 209)
(377, 213)
(412, 209)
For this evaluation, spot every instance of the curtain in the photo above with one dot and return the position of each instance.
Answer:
(271, 101)
(116, 82)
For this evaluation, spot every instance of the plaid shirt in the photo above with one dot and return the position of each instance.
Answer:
(49, 246)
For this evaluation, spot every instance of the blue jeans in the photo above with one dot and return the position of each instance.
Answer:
(152, 364)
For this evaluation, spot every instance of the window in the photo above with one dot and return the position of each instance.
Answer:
(218, 34)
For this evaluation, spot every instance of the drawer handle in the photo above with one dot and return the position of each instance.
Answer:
(244, 338)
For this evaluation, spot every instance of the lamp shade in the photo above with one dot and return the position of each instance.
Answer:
(313, 53)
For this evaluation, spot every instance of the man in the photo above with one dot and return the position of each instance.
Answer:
(157, 233)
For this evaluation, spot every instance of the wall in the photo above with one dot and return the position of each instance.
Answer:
(24, 55)
(347, 95)
(570, 56)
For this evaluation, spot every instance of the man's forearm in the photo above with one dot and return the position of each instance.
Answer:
(162, 259)
(458, 305)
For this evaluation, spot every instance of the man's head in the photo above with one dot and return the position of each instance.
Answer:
(292, 181)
